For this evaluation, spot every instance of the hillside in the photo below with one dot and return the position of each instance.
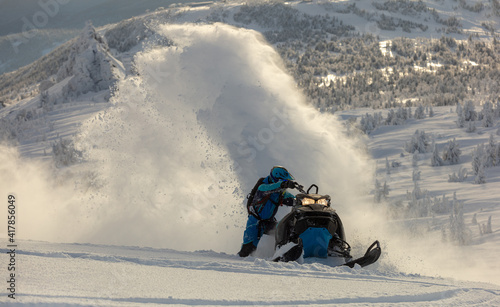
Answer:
(377, 54)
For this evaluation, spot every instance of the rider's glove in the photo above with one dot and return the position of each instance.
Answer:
(288, 184)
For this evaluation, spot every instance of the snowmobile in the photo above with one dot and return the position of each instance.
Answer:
(314, 229)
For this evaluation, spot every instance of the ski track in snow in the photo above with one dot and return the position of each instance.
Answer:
(110, 275)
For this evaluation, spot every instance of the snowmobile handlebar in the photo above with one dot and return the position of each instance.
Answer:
(299, 187)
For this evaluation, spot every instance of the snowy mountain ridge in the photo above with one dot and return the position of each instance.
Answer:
(90, 66)
(296, 28)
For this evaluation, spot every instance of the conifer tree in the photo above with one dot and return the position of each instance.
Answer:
(471, 126)
(481, 176)
(414, 161)
(470, 111)
(491, 153)
(488, 115)
(488, 226)
(477, 158)
(459, 232)
(436, 159)
(419, 112)
(452, 152)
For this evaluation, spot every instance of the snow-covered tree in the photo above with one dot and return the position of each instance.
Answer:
(459, 232)
(484, 229)
(458, 177)
(461, 117)
(419, 204)
(488, 115)
(419, 142)
(414, 160)
(477, 158)
(398, 117)
(471, 127)
(436, 158)
(474, 219)
(488, 226)
(381, 192)
(498, 154)
(481, 176)
(441, 205)
(452, 152)
(402, 115)
(416, 175)
(469, 111)
(420, 112)
(459, 108)
(367, 123)
(491, 155)
(45, 100)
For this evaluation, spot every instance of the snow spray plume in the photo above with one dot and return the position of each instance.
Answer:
(169, 163)
(188, 137)
(46, 205)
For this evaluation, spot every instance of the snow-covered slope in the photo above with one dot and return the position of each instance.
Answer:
(133, 276)
(116, 199)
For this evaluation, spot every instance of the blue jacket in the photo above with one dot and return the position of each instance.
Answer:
(272, 190)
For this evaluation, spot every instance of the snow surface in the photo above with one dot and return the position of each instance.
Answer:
(130, 276)
(155, 214)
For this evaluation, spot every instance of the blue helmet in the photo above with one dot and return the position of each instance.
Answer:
(280, 173)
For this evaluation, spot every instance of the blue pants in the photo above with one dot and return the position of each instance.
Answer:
(253, 232)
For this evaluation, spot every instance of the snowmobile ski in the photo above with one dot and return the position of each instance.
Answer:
(371, 256)
(290, 252)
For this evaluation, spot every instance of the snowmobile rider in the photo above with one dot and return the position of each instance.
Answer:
(263, 202)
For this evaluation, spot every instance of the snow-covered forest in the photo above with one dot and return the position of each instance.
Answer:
(337, 65)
